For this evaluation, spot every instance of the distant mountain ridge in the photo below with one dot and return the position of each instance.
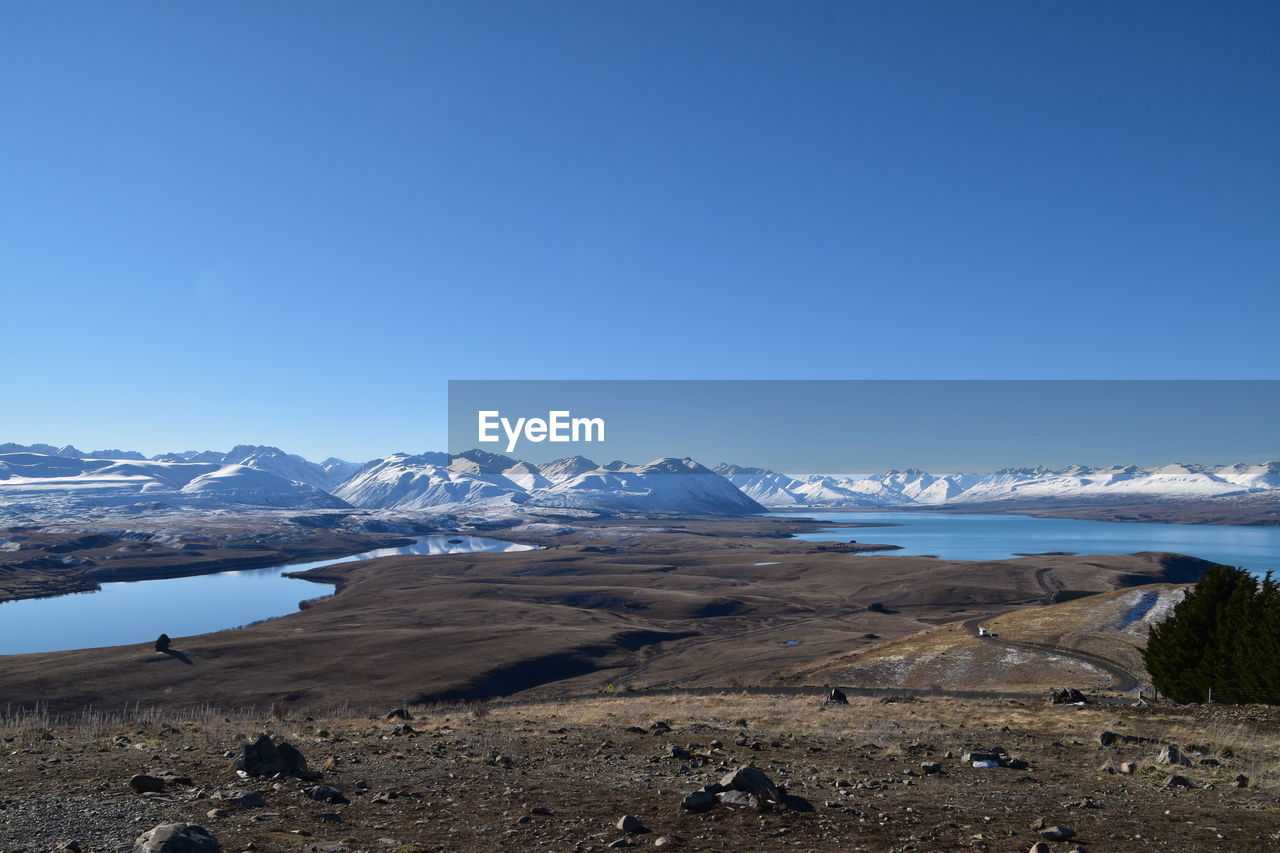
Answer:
(478, 478)
(39, 475)
(1077, 482)
(325, 475)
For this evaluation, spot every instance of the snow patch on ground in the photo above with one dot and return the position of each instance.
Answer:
(1147, 607)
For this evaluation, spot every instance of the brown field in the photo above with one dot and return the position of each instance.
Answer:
(633, 603)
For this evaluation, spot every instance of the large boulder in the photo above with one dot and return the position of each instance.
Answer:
(177, 838)
(752, 780)
(1067, 696)
(267, 757)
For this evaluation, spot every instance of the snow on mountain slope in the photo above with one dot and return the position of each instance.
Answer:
(562, 470)
(763, 486)
(114, 482)
(267, 458)
(526, 476)
(477, 479)
(242, 484)
(1078, 482)
(64, 478)
(338, 471)
(1263, 476)
(428, 480)
(664, 485)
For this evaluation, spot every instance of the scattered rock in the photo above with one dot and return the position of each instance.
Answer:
(399, 714)
(327, 794)
(1057, 833)
(1109, 738)
(630, 824)
(1242, 781)
(1040, 847)
(267, 757)
(752, 780)
(216, 813)
(240, 797)
(144, 784)
(699, 801)
(930, 767)
(176, 838)
(1128, 768)
(837, 697)
(1172, 755)
(1067, 696)
(1176, 781)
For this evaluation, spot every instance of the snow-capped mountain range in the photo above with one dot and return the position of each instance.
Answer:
(476, 477)
(36, 481)
(1078, 482)
(39, 479)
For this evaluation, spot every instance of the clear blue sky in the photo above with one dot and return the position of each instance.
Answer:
(292, 222)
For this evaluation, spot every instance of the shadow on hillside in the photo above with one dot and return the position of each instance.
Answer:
(177, 655)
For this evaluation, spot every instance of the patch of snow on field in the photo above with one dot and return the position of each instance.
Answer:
(1015, 657)
(1148, 607)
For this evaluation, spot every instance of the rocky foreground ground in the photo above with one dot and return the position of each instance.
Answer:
(875, 775)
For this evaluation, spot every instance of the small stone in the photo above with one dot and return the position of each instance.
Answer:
(1057, 833)
(216, 813)
(930, 767)
(1172, 755)
(1176, 781)
(1128, 768)
(244, 799)
(399, 714)
(698, 801)
(630, 824)
(176, 838)
(1040, 847)
(665, 841)
(327, 794)
(143, 784)
(1242, 781)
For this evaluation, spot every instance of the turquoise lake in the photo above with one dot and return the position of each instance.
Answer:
(139, 611)
(975, 536)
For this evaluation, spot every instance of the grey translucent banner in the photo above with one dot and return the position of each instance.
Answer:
(853, 426)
